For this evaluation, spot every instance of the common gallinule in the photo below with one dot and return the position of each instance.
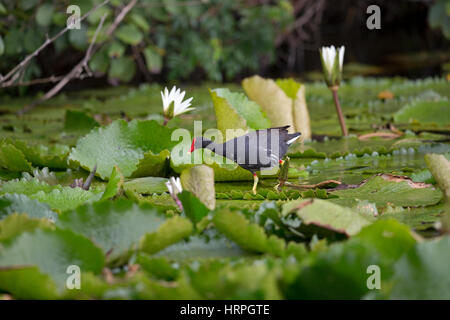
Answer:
(254, 150)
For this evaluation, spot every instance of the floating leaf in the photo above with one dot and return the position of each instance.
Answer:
(57, 197)
(346, 264)
(12, 159)
(15, 224)
(282, 100)
(28, 283)
(114, 184)
(428, 265)
(196, 247)
(323, 214)
(67, 248)
(20, 203)
(437, 112)
(138, 148)
(235, 111)
(146, 185)
(192, 206)
(170, 232)
(248, 235)
(76, 120)
(116, 227)
(54, 156)
(383, 190)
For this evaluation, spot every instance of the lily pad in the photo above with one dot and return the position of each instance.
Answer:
(58, 197)
(15, 224)
(12, 159)
(114, 185)
(249, 236)
(196, 247)
(137, 148)
(424, 112)
(116, 227)
(192, 206)
(78, 121)
(67, 248)
(54, 156)
(235, 111)
(283, 101)
(384, 190)
(428, 265)
(321, 214)
(146, 185)
(20, 203)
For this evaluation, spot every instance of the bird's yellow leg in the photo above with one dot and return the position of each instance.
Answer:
(255, 182)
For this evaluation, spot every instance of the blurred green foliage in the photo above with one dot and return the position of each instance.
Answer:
(176, 38)
(439, 16)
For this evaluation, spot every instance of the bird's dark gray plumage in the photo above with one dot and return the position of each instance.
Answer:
(253, 151)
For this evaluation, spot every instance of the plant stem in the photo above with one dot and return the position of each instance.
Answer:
(339, 110)
(178, 202)
(165, 120)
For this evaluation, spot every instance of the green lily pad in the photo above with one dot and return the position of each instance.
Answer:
(76, 120)
(196, 247)
(15, 224)
(425, 112)
(283, 101)
(137, 148)
(54, 156)
(116, 227)
(114, 185)
(28, 283)
(12, 159)
(340, 271)
(67, 248)
(235, 111)
(192, 206)
(249, 236)
(428, 265)
(383, 191)
(20, 203)
(56, 196)
(146, 185)
(321, 214)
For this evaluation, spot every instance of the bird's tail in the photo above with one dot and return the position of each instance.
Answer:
(290, 138)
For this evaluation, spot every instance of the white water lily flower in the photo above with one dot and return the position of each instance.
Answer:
(173, 103)
(332, 62)
(174, 186)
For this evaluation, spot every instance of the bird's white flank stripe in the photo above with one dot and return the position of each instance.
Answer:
(292, 140)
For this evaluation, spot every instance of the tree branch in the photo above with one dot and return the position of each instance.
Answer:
(83, 64)
(11, 76)
(75, 72)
